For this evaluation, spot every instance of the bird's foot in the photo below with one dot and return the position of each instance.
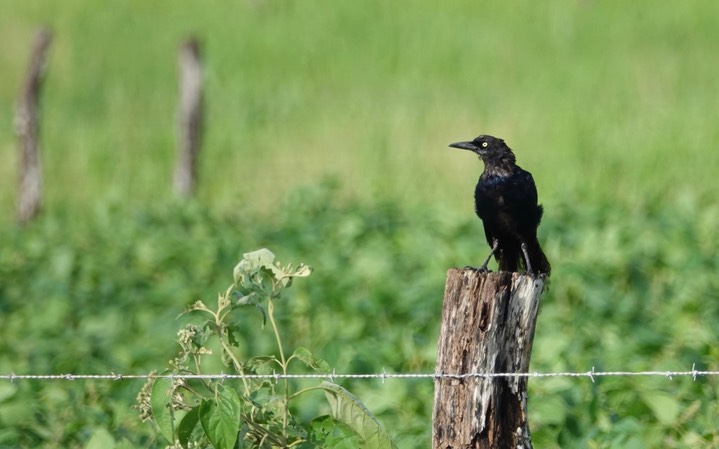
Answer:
(482, 269)
(536, 275)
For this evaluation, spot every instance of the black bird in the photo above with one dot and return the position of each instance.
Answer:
(506, 200)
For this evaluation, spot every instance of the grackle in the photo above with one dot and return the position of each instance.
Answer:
(506, 200)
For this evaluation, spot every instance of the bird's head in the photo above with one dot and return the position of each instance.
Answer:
(488, 148)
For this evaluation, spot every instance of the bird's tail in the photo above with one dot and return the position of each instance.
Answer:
(540, 264)
(508, 257)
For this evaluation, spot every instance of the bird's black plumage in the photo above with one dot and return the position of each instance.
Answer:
(505, 198)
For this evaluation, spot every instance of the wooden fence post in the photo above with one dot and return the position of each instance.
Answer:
(488, 322)
(189, 131)
(29, 195)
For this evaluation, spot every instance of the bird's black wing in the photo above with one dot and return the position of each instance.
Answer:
(487, 206)
(520, 198)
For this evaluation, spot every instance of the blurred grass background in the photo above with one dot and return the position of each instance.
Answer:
(326, 140)
(598, 98)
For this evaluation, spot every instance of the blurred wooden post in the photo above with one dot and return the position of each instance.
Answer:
(189, 118)
(488, 322)
(29, 198)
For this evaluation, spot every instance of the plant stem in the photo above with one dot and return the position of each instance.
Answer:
(283, 362)
(228, 349)
(304, 390)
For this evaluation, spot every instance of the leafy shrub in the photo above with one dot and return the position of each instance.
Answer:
(197, 412)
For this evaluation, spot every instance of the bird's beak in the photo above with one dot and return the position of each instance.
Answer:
(464, 146)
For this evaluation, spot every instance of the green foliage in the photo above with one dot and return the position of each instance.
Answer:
(189, 413)
(328, 433)
(220, 418)
(346, 408)
(633, 288)
(636, 294)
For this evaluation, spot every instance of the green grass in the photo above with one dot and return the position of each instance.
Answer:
(597, 98)
(611, 105)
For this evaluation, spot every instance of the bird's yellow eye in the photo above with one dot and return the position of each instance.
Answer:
(484, 144)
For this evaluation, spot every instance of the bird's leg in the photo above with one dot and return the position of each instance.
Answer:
(526, 257)
(495, 245)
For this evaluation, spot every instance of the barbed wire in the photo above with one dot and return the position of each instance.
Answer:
(693, 373)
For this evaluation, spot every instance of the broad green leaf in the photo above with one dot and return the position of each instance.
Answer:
(100, 439)
(305, 356)
(263, 365)
(187, 425)
(664, 406)
(234, 334)
(251, 263)
(328, 433)
(261, 258)
(124, 444)
(248, 300)
(7, 390)
(633, 442)
(220, 418)
(550, 410)
(345, 407)
(161, 414)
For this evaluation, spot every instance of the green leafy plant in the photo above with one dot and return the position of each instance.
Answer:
(254, 412)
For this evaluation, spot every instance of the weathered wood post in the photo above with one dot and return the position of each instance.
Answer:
(488, 322)
(189, 126)
(29, 195)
